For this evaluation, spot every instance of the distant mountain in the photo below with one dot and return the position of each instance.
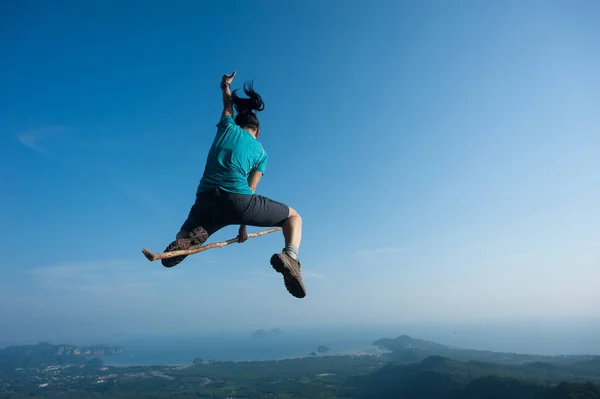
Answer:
(46, 354)
(408, 349)
(439, 377)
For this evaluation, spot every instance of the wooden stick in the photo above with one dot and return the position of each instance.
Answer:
(152, 256)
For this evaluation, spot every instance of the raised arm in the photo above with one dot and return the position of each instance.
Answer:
(227, 102)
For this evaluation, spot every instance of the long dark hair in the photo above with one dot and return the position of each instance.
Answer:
(245, 106)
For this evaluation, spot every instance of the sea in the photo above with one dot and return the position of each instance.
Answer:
(241, 345)
(288, 343)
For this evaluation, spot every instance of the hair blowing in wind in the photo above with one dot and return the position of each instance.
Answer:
(246, 106)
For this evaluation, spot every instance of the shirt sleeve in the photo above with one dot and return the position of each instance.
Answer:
(225, 121)
(261, 166)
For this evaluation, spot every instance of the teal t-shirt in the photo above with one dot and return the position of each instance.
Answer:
(233, 155)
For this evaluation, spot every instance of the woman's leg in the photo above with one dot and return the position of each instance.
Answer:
(256, 210)
(203, 220)
(292, 233)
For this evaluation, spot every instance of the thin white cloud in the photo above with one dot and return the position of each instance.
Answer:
(306, 274)
(263, 274)
(116, 278)
(32, 138)
(523, 255)
(379, 251)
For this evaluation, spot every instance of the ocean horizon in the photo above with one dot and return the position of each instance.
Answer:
(558, 337)
(183, 348)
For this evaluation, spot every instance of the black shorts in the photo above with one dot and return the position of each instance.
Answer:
(216, 209)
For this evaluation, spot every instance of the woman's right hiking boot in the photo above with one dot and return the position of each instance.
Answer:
(290, 268)
(198, 236)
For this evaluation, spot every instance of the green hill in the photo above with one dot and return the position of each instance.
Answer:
(442, 378)
(408, 349)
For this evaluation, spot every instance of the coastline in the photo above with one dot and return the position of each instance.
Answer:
(370, 351)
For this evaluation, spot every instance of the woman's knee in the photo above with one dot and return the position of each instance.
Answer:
(295, 214)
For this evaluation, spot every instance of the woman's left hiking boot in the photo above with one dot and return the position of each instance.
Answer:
(198, 236)
(290, 268)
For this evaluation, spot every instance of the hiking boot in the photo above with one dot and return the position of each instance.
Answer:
(198, 236)
(290, 268)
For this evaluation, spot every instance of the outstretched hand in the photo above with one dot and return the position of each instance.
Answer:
(242, 234)
(228, 78)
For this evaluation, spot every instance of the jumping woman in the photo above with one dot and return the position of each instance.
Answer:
(226, 192)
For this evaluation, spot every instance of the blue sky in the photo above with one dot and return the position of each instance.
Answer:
(444, 157)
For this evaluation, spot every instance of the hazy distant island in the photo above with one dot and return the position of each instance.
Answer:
(320, 350)
(407, 368)
(260, 333)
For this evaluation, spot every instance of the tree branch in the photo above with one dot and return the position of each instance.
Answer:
(163, 255)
